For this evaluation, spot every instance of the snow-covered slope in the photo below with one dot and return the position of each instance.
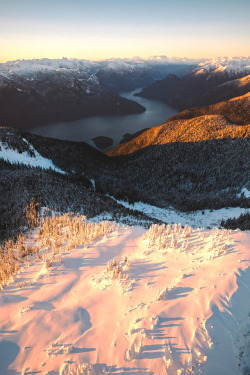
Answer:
(230, 65)
(21, 151)
(198, 218)
(165, 301)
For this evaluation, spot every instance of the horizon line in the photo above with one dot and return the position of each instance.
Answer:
(127, 58)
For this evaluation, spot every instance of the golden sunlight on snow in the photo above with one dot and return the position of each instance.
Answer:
(131, 302)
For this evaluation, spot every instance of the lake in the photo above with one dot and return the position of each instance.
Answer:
(110, 126)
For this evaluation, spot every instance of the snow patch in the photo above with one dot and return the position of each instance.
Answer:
(245, 192)
(14, 157)
(93, 183)
(201, 218)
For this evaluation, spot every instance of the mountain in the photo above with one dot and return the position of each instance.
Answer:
(188, 176)
(209, 83)
(129, 74)
(56, 174)
(31, 98)
(235, 110)
(108, 298)
(195, 129)
(230, 65)
(190, 164)
(37, 92)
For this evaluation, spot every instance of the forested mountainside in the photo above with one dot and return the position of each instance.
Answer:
(197, 129)
(235, 110)
(55, 174)
(188, 174)
(58, 96)
(188, 163)
(20, 184)
(209, 83)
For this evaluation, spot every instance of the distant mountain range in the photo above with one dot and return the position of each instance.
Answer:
(208, 83)
(39, 96)
(37, 92)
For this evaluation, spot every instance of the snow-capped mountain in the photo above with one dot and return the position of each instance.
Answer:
(90, 65)
(108, 298)
(209, 82)
(231, 65)
(36, 92)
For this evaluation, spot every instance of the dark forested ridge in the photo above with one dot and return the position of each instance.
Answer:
(186, 175)
(57, 101)
(242, 222)
(195, 163)
(19, 185)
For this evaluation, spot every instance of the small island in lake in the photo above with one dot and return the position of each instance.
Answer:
(102, 142)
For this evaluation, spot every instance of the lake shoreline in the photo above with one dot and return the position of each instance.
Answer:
(113, 126)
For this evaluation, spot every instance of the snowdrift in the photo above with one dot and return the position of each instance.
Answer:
(164, 301)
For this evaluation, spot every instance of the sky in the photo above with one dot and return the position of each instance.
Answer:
(100, 29)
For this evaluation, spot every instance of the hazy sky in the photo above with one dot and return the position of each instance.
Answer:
(97, 29)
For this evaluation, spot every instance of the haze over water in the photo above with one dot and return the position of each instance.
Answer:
(110, 126)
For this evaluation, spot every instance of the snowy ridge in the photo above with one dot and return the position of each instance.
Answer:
(245, 192)
(230, 65)
(18, 66)
(43, 64)
(31, 158)
(234, 64)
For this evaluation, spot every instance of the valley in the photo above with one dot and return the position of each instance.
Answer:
(124, 231)
(49, 91)
(109, 126)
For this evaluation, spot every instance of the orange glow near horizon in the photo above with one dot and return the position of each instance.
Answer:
(99, 49)
(98, 29)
